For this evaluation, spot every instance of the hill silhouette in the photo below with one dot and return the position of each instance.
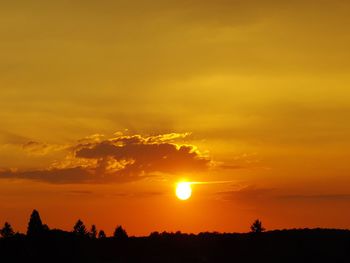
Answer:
(295, 245)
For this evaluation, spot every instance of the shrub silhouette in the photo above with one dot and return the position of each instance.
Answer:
(79, 228)
(120, 233)
(35, 225)
(7, 231)
(257, 227)
(101, 234)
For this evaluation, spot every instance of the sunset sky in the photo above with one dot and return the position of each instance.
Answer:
(105, 105)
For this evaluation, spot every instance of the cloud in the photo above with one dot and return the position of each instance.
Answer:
(254, 195)
(248, 194)
(11, 138)
(38, 148)
(316, 197)
(57, 176)
(135, 155)
(147, 194)
(122, 158)
(79, 192)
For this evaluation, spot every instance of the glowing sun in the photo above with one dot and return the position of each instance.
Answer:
(183, 190)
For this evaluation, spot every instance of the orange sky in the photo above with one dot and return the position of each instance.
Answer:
(104, 106)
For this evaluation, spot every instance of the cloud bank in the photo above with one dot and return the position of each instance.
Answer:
(119, 159)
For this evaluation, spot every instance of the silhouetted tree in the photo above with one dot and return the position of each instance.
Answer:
(7, 231)
(154, 234)
(120, 233)
(35, 225)
(79, 228)
(101, 234)
(257, 227)
(93, 232)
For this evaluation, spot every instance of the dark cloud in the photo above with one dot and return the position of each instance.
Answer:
(120, 159)
(57, 176)
(145, 155)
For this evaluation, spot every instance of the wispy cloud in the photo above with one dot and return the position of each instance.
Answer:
(316, 197)
(247, 193)
(252, 194)
(38, 148)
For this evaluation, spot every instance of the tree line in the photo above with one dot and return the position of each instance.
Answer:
(82, 244)
(36, 228)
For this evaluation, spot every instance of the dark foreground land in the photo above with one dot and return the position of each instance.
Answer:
(316, 245)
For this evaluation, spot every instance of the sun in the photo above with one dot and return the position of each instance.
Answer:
(183, 190)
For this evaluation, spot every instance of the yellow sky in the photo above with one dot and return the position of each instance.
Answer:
(262, 88)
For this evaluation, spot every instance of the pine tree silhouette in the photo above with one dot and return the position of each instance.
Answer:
(93, 232)
(7, 231)
(79, 228)
(35, 225)
(257, 227)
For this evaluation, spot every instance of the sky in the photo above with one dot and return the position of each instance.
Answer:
(105, 105)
